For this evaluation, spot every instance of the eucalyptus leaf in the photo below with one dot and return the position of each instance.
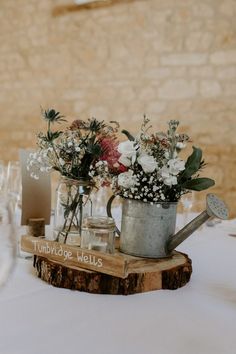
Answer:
(198, 184)
(192, 165)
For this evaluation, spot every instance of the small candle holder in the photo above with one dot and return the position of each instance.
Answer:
(98, 234)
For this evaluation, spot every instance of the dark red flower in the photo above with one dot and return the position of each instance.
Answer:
(111, 155)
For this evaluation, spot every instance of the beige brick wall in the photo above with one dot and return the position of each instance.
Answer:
(165, 58)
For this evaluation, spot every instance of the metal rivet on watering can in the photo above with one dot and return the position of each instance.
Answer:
(214, 208)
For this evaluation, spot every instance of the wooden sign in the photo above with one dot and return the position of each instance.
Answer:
(117, 264)
(75, 257)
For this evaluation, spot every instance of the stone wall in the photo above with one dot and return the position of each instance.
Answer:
(165, 58)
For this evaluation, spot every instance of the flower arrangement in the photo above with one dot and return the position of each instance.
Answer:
(146, 167)
(86, 155)
(82, 147)
(154, 171)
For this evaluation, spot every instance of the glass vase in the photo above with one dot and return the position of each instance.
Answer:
(72, 205)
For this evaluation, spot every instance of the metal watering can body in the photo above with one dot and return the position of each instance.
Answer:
(147, 230)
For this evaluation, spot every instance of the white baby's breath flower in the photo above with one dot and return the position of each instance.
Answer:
(126, 179)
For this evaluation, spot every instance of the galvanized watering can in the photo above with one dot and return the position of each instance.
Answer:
(148, 230)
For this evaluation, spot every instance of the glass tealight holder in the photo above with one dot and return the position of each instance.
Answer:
(98, 234)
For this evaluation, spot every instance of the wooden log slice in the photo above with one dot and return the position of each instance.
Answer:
(99, 283)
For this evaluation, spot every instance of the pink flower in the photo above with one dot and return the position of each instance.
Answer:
(111, 155)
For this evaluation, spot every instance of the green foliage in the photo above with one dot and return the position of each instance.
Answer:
(50, 136)
(193, 164)
(198, 184)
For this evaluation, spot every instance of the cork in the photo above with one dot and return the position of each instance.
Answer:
(36, 227)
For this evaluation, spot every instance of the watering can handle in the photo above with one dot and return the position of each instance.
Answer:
(109, 204)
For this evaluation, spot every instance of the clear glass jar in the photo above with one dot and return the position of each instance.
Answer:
(72, 205)
(99, 198)
(98, 234)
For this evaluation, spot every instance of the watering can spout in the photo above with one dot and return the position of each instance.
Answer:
(214, 208)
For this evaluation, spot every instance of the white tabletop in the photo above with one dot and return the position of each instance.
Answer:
(36, 318)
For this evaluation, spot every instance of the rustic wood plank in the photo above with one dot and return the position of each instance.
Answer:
(75, 257)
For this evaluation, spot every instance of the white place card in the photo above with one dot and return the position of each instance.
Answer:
(36, 194)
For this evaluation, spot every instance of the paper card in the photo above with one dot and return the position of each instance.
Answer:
(36, 194)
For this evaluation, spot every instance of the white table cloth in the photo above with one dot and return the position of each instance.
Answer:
(36, 318)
